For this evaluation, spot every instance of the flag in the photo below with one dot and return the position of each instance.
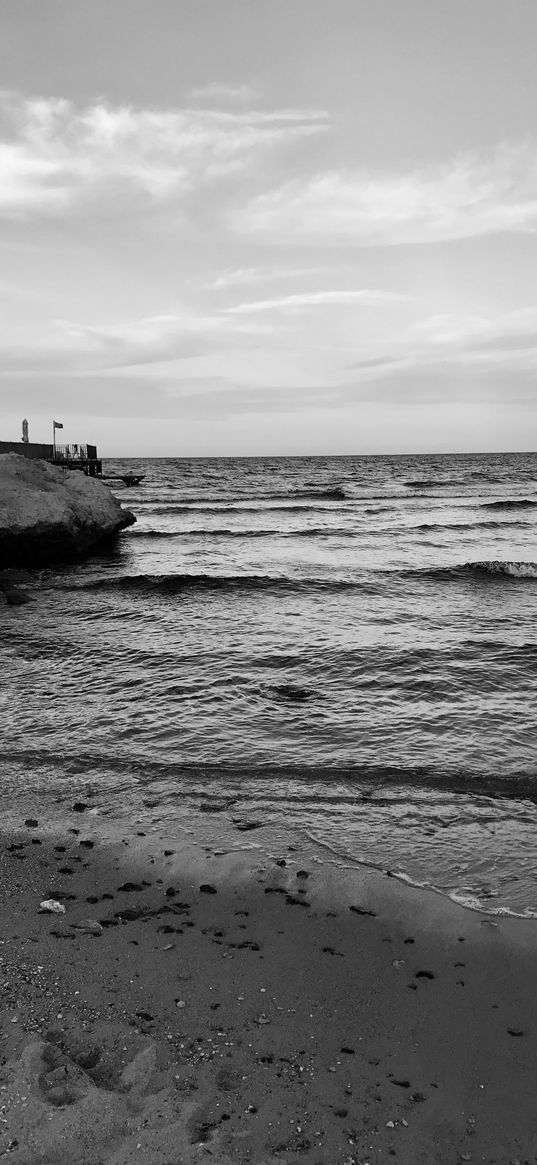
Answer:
(58, 424)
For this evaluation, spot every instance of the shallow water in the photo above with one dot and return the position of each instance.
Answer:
(346, 645)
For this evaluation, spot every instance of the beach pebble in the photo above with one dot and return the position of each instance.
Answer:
(89, 926)
(50, 906)
(31, 822)
(206, 888)
(129, 914)
(79, 806)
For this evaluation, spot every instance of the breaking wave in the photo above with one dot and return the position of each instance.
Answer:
(509, 569)
(491, 568)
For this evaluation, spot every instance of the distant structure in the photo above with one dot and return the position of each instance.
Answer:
(82, 457)
(75, 456)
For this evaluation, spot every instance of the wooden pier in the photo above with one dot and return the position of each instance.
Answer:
(128, 478)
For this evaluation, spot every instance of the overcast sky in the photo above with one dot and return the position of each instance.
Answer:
(269, 226)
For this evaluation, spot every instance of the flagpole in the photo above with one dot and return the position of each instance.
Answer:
(54, 440)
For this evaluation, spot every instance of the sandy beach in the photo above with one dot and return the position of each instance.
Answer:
(193, 1002)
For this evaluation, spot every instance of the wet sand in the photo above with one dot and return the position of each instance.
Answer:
(193, 1004)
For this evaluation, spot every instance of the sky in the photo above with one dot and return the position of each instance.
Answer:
(233, 227)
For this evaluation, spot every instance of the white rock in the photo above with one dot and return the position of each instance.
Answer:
(49, 906)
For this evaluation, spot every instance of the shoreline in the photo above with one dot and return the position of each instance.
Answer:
(258, 1019)
(230, 820)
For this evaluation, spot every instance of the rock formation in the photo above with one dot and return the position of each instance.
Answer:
(49, 514)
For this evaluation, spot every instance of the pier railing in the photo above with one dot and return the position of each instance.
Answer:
(75, 452)
(75, 456)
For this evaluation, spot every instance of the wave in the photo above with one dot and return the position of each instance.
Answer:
(491, 524)
(172, 584)
(187, 508)
(371, 780)
(492, 568)
(491, 478)
(223, 532)
(425, 483)
(368, 581)
(510, 569)
(335, 494)
(509, 504)
(205, 532)
(330, 494)
(432, 483)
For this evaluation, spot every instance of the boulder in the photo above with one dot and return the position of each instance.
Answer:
(50, 515)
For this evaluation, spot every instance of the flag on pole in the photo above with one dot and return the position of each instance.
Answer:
(58, 424)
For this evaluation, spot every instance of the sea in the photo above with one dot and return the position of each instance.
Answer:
(341, 651)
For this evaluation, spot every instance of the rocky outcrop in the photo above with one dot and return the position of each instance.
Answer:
(51, 515)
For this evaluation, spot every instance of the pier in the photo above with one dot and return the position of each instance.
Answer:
(72, 456)
(127, 478)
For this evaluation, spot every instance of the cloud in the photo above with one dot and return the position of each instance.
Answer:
(241, 276)
(54, 155)
(365, 298)
(75, 349)
(104, 395)
(450, 349)
(220, 93)
(467, 197)
(450, 383)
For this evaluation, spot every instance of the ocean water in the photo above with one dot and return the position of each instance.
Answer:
(345, 647)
